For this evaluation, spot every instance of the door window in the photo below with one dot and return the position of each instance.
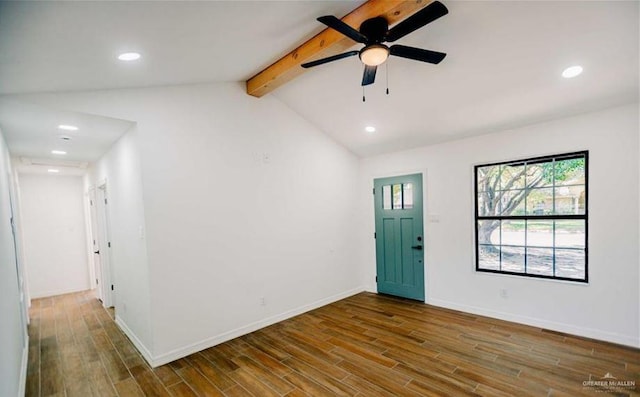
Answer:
(398, 196)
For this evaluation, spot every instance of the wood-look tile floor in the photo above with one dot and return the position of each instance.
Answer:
(365, 345)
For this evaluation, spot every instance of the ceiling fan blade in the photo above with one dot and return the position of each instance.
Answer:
(369, 75)
(329, 59)
(427, 15)
(336, 24)
(417, 54)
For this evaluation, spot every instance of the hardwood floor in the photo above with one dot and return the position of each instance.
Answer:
(365, 345)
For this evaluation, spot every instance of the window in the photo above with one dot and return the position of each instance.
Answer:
(397, 197)
(532, 216)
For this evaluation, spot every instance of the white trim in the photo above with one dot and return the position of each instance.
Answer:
(47, 294)
(146, 354)
(22, 386)
(215, 340)
(628, 340)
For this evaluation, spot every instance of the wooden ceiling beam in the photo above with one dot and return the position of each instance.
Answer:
(329, 42)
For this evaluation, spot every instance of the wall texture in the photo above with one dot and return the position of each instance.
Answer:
(53, 226)
(608, 307)
(120, 170)
(13, 338)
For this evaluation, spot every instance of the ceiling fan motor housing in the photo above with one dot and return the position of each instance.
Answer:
(374, 29)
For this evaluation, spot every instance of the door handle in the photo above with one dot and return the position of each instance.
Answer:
(97, 252)
(417, 247)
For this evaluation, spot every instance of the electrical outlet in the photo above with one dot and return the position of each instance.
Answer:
(263, 302)
(503, 293)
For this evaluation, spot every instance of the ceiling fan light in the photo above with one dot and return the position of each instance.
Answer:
(572, 72)
(129, 56)
(374, 55)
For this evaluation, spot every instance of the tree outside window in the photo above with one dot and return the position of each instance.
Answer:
(531, 217)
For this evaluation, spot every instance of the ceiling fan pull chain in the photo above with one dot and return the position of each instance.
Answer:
(386, 69)
(363, 98)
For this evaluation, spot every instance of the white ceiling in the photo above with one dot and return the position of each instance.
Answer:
(502, 70)
(73, 45)
(32, 131)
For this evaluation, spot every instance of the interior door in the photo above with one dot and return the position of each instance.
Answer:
(104, 245)
(98, 271)
(399, 236)
(97, 266)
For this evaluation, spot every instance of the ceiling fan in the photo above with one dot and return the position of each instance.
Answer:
(374, 32)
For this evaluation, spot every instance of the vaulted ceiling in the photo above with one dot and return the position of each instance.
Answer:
(503, 67)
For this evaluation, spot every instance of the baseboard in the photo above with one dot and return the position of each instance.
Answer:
(47, 294)
(22, 386)
(227, 336)
(371, 288)
(146, 354)
(626, 340)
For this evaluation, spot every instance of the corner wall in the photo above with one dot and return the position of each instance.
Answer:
(250, 215)
(608, 307)
(120, 169)
(241, 212)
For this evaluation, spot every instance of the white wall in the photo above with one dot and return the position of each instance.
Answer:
(225, 199)
(608, 307)
(53, 225)
(13, 338)
(120, 169)
(241, 200)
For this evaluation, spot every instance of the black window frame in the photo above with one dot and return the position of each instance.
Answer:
(585, 217)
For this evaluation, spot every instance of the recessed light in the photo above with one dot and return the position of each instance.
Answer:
(67, 127)
(53, 170)
(370, 128)
(58, 152)
(572, 71)
(129, 56)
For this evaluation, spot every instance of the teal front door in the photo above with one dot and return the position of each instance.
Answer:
(399, 236)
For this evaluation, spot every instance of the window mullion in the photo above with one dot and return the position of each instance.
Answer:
(553, 230)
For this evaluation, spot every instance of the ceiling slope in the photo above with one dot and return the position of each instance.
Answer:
(502, 70)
